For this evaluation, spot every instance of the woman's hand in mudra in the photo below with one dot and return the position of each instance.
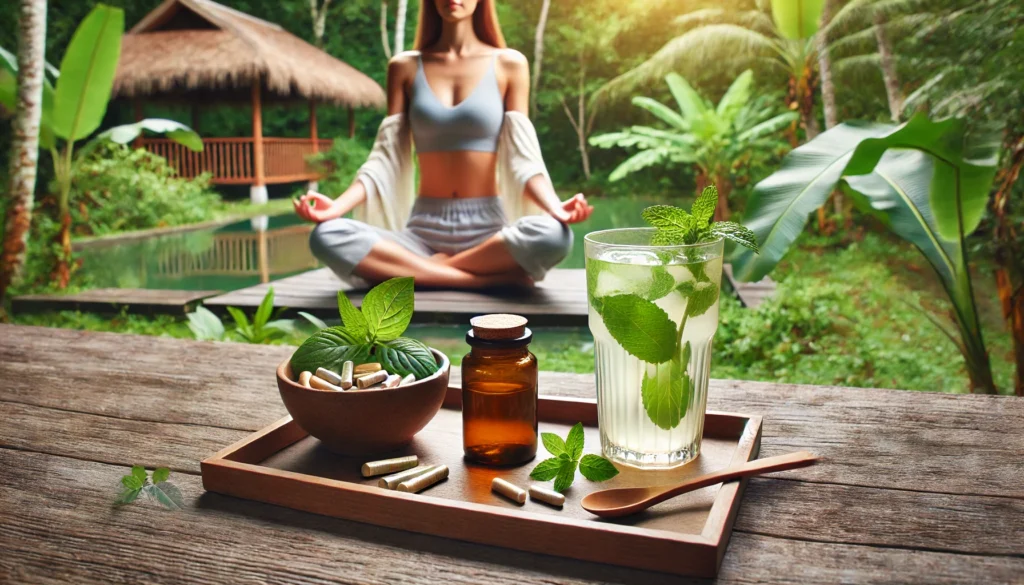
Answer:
(574, 210)
(316, 207)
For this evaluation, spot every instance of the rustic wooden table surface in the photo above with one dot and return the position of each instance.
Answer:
(917, 488)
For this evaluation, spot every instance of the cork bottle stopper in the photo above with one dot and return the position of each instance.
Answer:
(498, 326)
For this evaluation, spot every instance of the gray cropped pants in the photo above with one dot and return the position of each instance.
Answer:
(447, 226)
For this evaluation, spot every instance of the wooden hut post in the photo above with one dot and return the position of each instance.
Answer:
(258, 191)
(314, 137)
(137, 107)
(351, 122)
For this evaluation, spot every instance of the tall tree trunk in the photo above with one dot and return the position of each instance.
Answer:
(318, 12)
(384, 29)
(1009, 259)
(828, 89)
(25, 142)
(538, 54)
(888, 66)
(400, 26)
(579, 121)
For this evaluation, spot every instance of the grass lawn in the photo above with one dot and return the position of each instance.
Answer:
(843, 315)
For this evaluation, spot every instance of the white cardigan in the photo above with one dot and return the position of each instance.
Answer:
(388, 174)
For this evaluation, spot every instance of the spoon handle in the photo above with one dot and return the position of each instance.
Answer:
(755, 467)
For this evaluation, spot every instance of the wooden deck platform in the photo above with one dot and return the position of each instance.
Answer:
(113, 300)
(560, 300)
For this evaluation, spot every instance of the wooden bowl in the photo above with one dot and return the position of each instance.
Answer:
(365, 422)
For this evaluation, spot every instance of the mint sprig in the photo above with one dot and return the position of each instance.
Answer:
(568, 456)
(371, 334)
(156, 486)
(675, 226)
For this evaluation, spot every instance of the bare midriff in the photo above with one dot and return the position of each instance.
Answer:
(458, 174)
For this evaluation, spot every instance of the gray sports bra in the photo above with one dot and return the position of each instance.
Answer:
(472, 124)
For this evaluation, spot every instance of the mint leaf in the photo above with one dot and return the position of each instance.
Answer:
(404, 356)
(566, 475)
(733, 231)
(127, 496)
(596, 468)
(161, 474)
(388, 308)
(166, 494)
(642, 328)
(666, 395)
(547, 470)
(351, 318)
(553, 443)
(700, 296)
(668, 219)
(329, 348)
(574, 442)
(662, 285)
(139, 472)
(704, 206)
(130, 482)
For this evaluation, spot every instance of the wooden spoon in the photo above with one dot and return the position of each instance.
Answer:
(625, 501)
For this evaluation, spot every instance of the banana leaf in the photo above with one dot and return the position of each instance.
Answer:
(87, 73)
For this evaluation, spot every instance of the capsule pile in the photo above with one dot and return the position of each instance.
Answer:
(368, 376)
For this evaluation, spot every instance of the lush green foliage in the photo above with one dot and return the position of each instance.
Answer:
(339, 164)
(118, 189)
(721, 141)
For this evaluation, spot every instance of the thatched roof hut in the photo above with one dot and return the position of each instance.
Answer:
(201, 47)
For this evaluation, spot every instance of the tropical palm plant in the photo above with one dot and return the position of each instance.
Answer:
(927, 181)
(73, 109)
(778, 35)
(714, 139)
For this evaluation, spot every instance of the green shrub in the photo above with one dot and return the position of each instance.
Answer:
(339, 165)
(121, 189)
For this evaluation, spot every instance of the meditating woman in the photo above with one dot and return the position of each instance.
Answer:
(461, 97)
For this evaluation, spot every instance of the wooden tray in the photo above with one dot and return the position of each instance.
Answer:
(283, 465)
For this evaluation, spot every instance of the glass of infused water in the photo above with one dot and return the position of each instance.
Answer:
(653, 314)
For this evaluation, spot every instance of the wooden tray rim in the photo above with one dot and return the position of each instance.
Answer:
(713, 537)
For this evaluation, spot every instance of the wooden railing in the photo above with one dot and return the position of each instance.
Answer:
(273, 252)
(231, 160)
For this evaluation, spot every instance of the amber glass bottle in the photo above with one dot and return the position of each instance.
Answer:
(499, 396)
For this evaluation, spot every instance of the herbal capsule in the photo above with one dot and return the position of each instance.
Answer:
(392, 381)
(321, 384)
(391, 481)
(422, 482)
(509, 490)
(373, 468)
(371, 379)
(346, 375)
(304, 378)
(407, 380)
(547, 496)
(325, 374)
(367, 368)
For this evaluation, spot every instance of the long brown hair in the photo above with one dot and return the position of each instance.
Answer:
(485, 24)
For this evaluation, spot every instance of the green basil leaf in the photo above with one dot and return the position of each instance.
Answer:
(351, 318)
(642, 328)
(666, 395)
(166, 494)
(139, 472)
(161, 474)
(130, 482)
(574, 442)
(700, 296)
(553, 443)
(127, 496)
(329, 348)
(404, 356)
(546, 470)
(565, 477)
(388, 308)
(596, 468)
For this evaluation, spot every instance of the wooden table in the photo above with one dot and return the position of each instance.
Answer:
(917, 488)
